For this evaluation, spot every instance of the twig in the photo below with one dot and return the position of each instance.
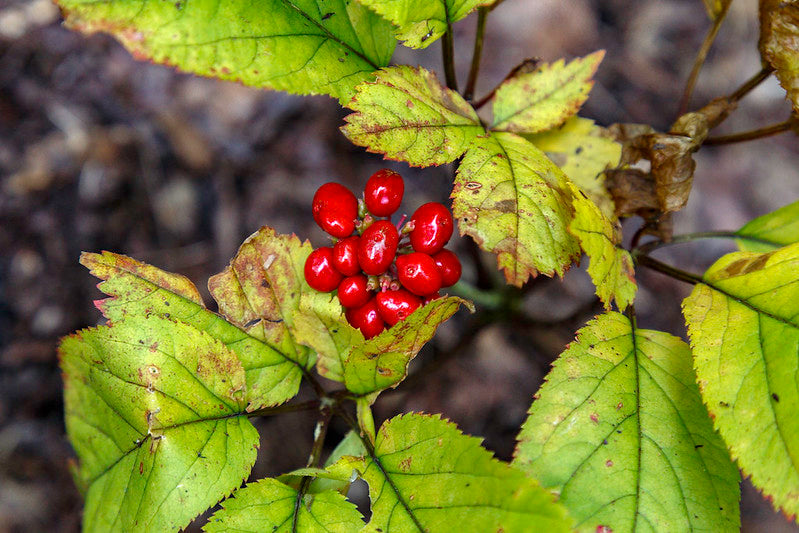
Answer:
(482, 14)
(751, 83)
(448, 52)
(663, 268)
(691, 237)
(760, 133)
(313, 461)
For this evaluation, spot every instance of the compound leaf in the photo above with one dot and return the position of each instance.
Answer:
(611, 266)
(425, 475)
(407, 115)
(531, 102)
(620, 433)
(420, 22)
(268, 505)
(299, 46)
(772, 230)
(742, 321)
(155, 410)
(515, 203)
(139, 289)
(779, 43)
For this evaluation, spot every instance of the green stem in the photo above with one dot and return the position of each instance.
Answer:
(471, 82)
(760, 133)
(314, 460)
(448, 52)
(663, 268)
(691, 237)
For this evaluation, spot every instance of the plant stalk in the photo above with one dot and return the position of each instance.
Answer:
(760, 133)
(663, 268)
(313, 461)
(751, 83)
(471, 82)
(691, 237)
(448, 52)
(289, 408)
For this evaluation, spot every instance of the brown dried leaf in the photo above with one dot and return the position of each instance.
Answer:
(779, 43)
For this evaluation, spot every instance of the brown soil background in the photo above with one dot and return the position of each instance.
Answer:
(101, 152)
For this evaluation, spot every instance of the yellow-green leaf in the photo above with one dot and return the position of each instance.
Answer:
(744, 329)
(408, 115)
(779, 43)
(531, 102)
(515, 203)
(299, 46)
(619, 431)
(772, 230)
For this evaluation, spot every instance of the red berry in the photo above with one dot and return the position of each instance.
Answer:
(432, 228)
(430, 297)
(352, 291)
(450, 267)
(335, 209)
(320, 272)
(418, 273)
(367, 319)
(345, 256)
(377, 247)
(383, 192)
(396, 305)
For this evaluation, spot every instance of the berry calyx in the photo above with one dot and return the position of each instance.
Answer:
(366, 318)
(394, 306)
(383, 192)
(450, 267)
(418, 273)
(345, 256)
(320, 272)
(353, 291)
(335, 209)
(377, 247)
(432, 228)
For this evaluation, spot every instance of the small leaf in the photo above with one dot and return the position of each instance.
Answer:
(779, 43)
(408, 115)
(742, 321)
(302, 46)
(531, 102)
(420, 22)
(611, 267)
(772, 230)
(382, 361)
(268, 505)
(426, 475)
(619, 431)
(139, 289)
(516, 204)
(583, 151)
(155, 410)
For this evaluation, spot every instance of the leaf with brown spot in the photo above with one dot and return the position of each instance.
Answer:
(779, 43)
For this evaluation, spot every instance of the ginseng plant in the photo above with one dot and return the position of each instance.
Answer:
(633, 430)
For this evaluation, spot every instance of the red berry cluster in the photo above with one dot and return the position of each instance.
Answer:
(384, 272)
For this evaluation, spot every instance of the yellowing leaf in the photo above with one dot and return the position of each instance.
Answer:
(425, 475)
(772, 230)
(139, 289)
(155, 410)
(611, 267)
(516, 204)
(619, 431)
(531, 102)
(779, 43)
(408, 115)
(744, 330)
(301, 46)
(420, 22)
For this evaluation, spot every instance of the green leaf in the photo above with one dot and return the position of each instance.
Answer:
(268, 505)
(299, 46)
(516, 204)
(779, 43)
(531, 102)
(139, 289)
(742, 321)
(772, 230)
(408, 115)
(620, 433)
(425, 475)
(611, 267)
(155, 411)
(583, 151)
(420, 22)
(382, 361)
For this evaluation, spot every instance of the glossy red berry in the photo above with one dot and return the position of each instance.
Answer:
(430, 297)
(335, 209)
(383, 192)
(418, 273)
(320, 272)
(432, 228)
(450, 267)
(345, 256)
(397, 305)
(366, 318)
(352, 291)
(377, 247)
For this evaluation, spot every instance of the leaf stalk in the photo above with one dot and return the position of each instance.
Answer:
(471, 82)
(752, 135)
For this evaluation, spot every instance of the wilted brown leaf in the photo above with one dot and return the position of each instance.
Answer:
(779, 43)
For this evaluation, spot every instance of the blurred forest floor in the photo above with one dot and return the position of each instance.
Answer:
(101, 152)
